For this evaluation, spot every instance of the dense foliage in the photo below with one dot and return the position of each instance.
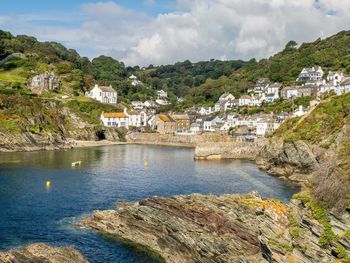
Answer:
(199, 83)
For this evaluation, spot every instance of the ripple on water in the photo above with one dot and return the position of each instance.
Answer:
(31, 213)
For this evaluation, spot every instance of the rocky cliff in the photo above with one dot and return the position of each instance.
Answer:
(35, 123)
(228, 228)
(41, 253)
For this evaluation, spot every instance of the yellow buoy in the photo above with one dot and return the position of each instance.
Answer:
(48, 184)
(145, 164)
(78, 163)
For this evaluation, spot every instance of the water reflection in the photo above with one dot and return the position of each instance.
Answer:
(32, 213)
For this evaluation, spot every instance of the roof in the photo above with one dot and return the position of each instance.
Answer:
(245, 97)
(165, 118)
(134, 112)
(312, 69)
(290, 88)
(106, 88)
(275, 85)
(180, 116)
(346, 81)
(115, 115)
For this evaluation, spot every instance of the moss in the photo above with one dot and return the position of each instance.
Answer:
(295, 232)
(347, 234)
(320, 214)
(138, 247)
(287, 247)
(9, 126)
(342, 254)
(303, 248)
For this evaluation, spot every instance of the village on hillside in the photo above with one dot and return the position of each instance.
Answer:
(224, 116)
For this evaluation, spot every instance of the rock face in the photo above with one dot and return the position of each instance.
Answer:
(38, 253)
(227, 228)
(293, 160)
(229, 150)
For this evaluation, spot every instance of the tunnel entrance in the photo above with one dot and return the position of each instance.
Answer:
(100, 135)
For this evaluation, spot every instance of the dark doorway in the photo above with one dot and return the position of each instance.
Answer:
(101, 135)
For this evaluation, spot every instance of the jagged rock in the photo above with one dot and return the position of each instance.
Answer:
(37, 253)
(226, 228)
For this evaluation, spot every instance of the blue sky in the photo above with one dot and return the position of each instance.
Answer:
(152, 7)
(142, 32)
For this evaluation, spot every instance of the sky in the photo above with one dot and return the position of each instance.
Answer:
(143, 32)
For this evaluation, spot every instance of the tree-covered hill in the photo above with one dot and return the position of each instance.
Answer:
(22, 56)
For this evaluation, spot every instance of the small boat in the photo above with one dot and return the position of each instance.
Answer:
(78, 163)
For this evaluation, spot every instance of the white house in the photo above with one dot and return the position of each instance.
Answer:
(343, 87)
(289, 92)
(139, 105)
(226, 96)
(103, 94)
(244, 100)
(205, 111)
(299, 112)
(162, 102)
(150, 104)
(134, 80)
(261, 85)
(274, 88)
(335, 77)
(212, 124)
(162, 94)
(265, 127)
(137, 118)
(311, 74)
(256, 100)
(115, 119)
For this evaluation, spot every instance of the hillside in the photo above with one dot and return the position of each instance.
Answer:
(332, 53)
(22, 56)
(315, 149)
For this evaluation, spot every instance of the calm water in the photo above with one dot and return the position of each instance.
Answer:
(31, 213)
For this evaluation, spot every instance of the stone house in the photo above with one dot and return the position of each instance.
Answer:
(164, 124)
(47, 81)
(103, 94)
(308, 90)
(182, 121)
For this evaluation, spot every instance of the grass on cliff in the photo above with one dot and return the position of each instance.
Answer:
(322, 125)
(19, 113)
(321, 215)
(90, 111)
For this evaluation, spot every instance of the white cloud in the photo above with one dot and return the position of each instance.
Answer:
(195, 30)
